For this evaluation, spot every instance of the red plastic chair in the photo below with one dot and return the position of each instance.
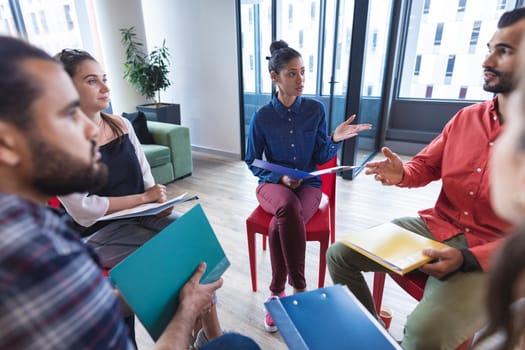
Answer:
(53, 202)
(413, 283)
(321, 227)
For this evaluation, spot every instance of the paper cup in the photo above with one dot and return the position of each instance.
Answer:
(386, 316)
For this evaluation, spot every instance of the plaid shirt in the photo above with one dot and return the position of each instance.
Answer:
(52, 293)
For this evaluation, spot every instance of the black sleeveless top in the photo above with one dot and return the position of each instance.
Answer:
(124, 172)
(124, 176)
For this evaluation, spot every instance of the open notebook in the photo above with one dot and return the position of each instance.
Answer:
(148, 208)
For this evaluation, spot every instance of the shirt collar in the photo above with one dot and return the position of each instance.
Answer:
(494, 109)
(281, 109)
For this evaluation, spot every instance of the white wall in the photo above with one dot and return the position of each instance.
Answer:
(201, 38)
(111, 15)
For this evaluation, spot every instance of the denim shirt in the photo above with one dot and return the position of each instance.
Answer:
(294, 137)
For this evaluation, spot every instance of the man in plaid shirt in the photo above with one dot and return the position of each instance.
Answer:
(52, 292)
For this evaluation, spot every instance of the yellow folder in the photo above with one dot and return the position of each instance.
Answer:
(392, 246)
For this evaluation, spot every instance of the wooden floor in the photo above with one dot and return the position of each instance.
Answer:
(226, 191)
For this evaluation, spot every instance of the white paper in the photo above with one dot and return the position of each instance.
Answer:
(146, 209)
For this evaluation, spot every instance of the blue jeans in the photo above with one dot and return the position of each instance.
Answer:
(229, 341)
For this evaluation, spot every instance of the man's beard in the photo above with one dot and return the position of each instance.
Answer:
(506, 83)
(59, 173)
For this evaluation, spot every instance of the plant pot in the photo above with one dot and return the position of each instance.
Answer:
(161, 112)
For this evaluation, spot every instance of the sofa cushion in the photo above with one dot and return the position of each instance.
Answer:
(140, 125)
(157, 154)
(163, 174)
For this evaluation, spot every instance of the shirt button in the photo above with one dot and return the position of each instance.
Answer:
(467, 230)
(465, 213)
(491, 144)
(291, 131)
(289, 110)
(289, 119)
(478, 170)
(294, 158)
(292, 145)
(471, 193)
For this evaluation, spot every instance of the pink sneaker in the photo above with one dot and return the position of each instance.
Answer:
(269, 325)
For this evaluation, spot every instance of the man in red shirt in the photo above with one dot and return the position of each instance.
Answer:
(463, 217)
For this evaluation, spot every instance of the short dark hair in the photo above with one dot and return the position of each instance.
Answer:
(510, 17)
(281, 54)
(18, 89)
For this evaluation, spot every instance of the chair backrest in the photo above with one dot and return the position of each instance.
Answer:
(328, 188)
(328, 185)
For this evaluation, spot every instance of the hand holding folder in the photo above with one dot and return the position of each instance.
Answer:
(392, 246)
(151, 278)
(298, 174)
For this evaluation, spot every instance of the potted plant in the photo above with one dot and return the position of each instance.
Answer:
(148, 74)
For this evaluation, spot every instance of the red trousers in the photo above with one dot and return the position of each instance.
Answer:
(291, 209)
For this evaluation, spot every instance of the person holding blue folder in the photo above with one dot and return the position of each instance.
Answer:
(52, 291)
(291, 131)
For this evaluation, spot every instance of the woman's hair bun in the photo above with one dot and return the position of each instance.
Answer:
(277, 45)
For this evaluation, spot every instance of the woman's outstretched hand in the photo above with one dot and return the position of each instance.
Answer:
(345, 130)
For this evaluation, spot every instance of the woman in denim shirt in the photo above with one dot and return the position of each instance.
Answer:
(291, 131)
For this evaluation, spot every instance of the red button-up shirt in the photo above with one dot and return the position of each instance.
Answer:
(459, 156)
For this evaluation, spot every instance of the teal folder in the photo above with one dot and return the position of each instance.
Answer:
(328, 318)
(150, 279)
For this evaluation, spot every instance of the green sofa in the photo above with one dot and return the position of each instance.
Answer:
(170, 155)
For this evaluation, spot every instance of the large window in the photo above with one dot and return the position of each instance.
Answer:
(445, 47)
(7, 23)
(256, 23)
(336, 75)
(300, 29)
(49, 24)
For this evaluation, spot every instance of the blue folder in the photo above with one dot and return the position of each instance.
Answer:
(292, 173)
(328, 318)
(150, 279)
(299, 174)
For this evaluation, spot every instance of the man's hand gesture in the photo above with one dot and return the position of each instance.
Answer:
(389, 171)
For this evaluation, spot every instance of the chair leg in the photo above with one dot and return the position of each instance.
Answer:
(323, 247)
(379, 286)
(252, 257)
(264, 240)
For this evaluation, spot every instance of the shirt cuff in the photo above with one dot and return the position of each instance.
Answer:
(470, 263)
